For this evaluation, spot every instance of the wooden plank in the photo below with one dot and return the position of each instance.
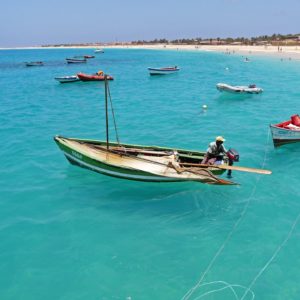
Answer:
(225, 167)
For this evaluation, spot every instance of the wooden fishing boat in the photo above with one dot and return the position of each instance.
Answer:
(93, 77)
(75, 60)
(67, 79)
(34, 64)
(143, 163)
(286, 132)
(250, 89)
(89, 56)
(163, 71)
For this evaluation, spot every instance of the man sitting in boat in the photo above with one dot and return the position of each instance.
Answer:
(100, 73)
(215, 151)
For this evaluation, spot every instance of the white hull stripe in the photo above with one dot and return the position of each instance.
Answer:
(284, 134)
(113, 173)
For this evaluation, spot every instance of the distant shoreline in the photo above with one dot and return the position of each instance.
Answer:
(284, 52)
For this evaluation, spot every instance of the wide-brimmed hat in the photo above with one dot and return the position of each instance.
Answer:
(220, 139)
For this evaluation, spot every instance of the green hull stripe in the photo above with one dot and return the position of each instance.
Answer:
(119, 174)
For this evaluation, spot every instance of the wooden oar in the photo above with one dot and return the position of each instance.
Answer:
(225, 167)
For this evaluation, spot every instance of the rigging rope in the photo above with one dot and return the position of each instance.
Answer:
(113, 115)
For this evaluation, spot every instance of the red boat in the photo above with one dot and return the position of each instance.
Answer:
(93, 77)
(89, 56)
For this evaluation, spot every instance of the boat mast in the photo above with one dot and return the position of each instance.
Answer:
(106, 112)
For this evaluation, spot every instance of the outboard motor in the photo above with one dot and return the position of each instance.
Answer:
(233, 156)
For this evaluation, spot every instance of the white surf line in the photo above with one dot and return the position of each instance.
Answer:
(198, 284)
(272, 257)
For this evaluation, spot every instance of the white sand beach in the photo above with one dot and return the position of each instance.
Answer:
(283, 52)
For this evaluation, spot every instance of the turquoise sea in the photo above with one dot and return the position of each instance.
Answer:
(69, 233)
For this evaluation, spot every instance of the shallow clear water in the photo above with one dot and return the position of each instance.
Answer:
(68, 233)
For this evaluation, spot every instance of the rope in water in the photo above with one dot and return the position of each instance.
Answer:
(198, 284)
(226, 286)
(273, 256)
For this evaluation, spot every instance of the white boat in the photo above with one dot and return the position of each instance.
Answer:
(66, 79)
(163, 71)
(250, 89)
(99, 51)
(286, 132)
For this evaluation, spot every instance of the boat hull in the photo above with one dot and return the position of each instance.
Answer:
(67, 79)
(75, 61)
(162, 71)
(124, 167)
(282, 136)
(86, 77)
(222, 87)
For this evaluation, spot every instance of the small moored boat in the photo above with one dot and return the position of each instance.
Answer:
(89, 56)
(75, 60)
(93, 77)
(163, 71)
(99, 51)
(66, 79)
(286, 132)
(34, 64)
(250, 89)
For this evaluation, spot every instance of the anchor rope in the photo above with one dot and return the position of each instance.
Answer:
(198, 284)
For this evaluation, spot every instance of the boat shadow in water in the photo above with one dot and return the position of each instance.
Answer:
(235, 97)
(176, 200)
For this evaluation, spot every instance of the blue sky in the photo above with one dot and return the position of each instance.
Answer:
(39, 22)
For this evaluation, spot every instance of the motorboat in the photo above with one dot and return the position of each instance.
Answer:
(93, 77)
(286, 132)
(250, 89)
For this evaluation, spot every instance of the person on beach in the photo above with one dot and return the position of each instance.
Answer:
(215, 151)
